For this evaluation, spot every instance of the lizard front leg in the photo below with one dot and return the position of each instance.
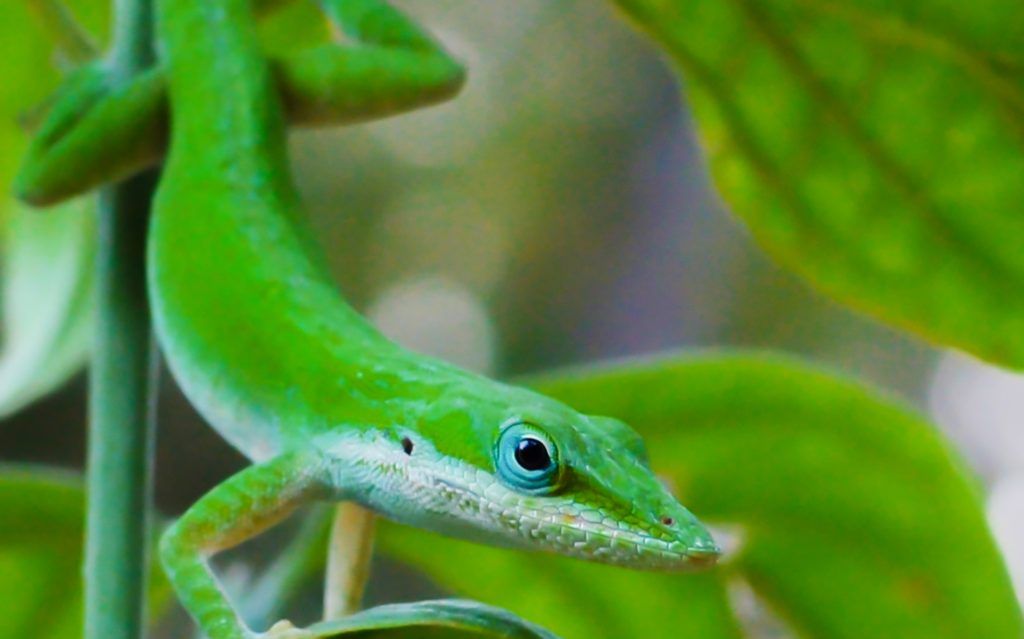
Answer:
(237, 509)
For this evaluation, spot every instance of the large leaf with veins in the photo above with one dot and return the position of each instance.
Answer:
(874, 147)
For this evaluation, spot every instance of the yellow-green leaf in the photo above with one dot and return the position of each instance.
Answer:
(40, 552)
(875, 148)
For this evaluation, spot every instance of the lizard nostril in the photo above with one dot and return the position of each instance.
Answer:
(407, 445)
(668, 521)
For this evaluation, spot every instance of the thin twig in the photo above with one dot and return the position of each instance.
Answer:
(73, 43)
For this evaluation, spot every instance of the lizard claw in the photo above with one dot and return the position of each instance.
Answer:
(285, 629)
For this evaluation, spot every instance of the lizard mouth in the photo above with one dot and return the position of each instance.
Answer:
(610, 541)
(452, 497)
(561, 526)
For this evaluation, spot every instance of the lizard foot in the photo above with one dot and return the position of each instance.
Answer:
(285, 629)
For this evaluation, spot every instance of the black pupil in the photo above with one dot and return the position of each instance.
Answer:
(531, 454)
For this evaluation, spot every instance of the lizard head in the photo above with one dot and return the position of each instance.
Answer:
(587, 490)
(512, 467)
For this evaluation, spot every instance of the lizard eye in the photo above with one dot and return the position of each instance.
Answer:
(526, 459)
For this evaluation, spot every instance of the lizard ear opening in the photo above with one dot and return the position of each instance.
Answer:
(624, 436)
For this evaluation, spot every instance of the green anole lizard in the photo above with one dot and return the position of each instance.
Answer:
(256, 334)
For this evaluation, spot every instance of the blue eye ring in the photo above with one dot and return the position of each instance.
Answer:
(520, 456)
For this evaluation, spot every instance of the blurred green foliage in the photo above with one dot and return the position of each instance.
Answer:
(873, 148)
(40, 554)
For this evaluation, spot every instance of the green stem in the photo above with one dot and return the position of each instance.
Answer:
(121, 382)
(133, 37)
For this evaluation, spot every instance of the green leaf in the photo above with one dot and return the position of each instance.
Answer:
(41, 554)
(433, 619)
(854, 519)
(47, 300)
(874, 148)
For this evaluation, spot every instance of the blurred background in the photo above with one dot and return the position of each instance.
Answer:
(559, 212)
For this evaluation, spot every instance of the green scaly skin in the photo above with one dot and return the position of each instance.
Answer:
(256, 334)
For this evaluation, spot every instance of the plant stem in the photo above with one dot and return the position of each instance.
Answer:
(132, 50)
(121, 381)
(348, 559)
